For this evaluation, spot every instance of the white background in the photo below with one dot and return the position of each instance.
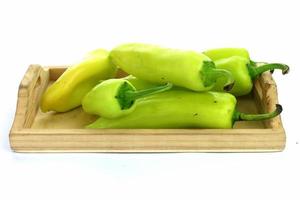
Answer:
(59, 32)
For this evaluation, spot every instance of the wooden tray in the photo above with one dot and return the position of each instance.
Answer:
(34, 131)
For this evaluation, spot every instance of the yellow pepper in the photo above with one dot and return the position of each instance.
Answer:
(69, 89)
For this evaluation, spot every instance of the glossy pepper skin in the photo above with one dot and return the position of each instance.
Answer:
(114, 98)
(155, 64)
(69, 89)
(179, 108)
(244, 70)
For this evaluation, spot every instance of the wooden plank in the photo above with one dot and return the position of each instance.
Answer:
(116, 140)
(25, 136)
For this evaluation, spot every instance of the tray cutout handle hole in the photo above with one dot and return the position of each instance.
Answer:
(38, 82)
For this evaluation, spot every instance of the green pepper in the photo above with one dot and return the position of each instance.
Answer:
(244, 70)
(140, 84)
(69, 89)
(155, 64)
(221, 53)
(178, 108)
(116, 97)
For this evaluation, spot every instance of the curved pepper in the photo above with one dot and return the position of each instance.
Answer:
(184, 109)
(69, 89)
(116, 97)
(155, 64)
(244, 70)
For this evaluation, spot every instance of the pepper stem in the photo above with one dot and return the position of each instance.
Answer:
(127, 93)
(210, 74)
(133, 95)
(256, 71)
(257, 117)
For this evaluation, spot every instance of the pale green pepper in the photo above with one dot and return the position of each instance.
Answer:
(114, 98)
(179, 108)
(140, 84)
(244, 70)
(155, 64)
(221, 53)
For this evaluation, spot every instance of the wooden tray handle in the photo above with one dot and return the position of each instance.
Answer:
(266, 91)
(31, 77)
(34, 80)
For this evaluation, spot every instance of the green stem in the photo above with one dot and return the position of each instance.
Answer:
(127, 94)
(133, 95)
(256, 71)
(257, 117)
(210, 74)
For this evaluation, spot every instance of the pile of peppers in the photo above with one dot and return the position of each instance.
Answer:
(165, 88)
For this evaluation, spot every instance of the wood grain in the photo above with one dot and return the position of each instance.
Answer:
(34, 131)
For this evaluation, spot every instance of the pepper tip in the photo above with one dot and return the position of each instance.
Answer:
(286, 70)
(278, 108)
